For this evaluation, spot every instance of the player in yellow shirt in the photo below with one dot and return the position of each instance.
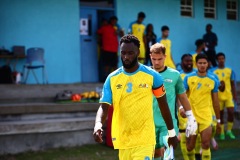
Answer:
(137, 28)
(202, 88)
(226, 95)
(200, 48)
(168, 44)
(129, 89)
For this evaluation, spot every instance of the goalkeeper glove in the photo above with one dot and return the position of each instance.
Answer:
(191, 124)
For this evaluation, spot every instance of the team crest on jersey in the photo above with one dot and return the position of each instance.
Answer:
(168, 80)
(208, 85)
(119, 86)
(143, 85)
(147, 158)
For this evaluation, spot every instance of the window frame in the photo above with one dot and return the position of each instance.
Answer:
(232, 10)
(210, 11)
(186, 10)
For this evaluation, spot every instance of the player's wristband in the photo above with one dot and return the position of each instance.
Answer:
(180, 107)
(171, 133)
(218, 120)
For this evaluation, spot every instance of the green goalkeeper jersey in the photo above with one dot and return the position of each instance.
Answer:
(174, 85)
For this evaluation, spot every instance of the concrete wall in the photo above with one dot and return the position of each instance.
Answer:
(51, 24)
(184, 30)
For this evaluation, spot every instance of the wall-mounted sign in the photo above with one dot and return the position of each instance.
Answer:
(84, 26)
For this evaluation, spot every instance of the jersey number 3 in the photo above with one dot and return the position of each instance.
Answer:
(129, 89)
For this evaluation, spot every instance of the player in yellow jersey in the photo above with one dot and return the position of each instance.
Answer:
(187, 68)
(226, 95)
(168, 44)
(130, 90)
(202, 89)
(200, 48)
(137, 28)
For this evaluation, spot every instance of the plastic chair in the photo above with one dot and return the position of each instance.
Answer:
(35, 60)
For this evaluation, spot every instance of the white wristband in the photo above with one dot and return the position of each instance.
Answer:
(171, 133)
(98, 126)
(189, 114)
(180, 107)
(218, 121)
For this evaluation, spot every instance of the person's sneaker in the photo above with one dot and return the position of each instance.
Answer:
(230, 134)
(222, 136)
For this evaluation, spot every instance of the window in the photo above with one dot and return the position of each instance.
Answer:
(232, 10)
(187, 8)
(209, 8)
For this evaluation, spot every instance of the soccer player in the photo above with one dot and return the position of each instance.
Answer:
(226, 95)
(202, 89)
(168, 44)
(137, 28)
(200, 48)
(174, 88)
(187, 68)
(130, 90)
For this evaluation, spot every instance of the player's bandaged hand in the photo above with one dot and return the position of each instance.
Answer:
(191, 124)
(97, 133)
(168, 153)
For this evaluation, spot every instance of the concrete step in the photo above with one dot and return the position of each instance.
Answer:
(46, 126)
(31, 108)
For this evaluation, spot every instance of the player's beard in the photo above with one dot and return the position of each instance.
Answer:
(131, 64)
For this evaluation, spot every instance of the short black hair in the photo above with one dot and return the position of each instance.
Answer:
(141, 15)
(130, 38)
(164, 28)
(199, 42)
(220, 54)
(201, 56)
(185, 55)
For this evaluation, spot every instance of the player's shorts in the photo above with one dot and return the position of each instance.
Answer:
(142, 50)
(137, 153)
(226, 103)
(163, 131)
(203, 126)
(109, 58)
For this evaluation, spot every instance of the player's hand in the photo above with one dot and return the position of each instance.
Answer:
(97, 133)
(191, 124)
(182, 113)
(222, 86)
(173, 141)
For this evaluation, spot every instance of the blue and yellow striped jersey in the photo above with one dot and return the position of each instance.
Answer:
(132, 97)
(200, 95)
(138, 30)
(226, 75)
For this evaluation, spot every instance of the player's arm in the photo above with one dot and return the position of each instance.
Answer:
(99, 121)
(234, 92)
(163, 105)
(192, 123)
(105, 102)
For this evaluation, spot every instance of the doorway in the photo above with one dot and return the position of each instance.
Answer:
(90, 20)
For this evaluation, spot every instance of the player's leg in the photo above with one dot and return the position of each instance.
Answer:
(214, 128)
(206, 134)
(230, 112)
(222, 133)
(198, 148)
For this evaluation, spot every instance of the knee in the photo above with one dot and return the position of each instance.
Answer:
(205, 145)
(157, 153)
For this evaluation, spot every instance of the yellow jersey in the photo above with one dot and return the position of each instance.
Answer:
(226, 75)
(131, 95)
(168, 61)
(200, 90)
(138, 30)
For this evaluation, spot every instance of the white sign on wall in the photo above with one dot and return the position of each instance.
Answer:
(83, 26)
